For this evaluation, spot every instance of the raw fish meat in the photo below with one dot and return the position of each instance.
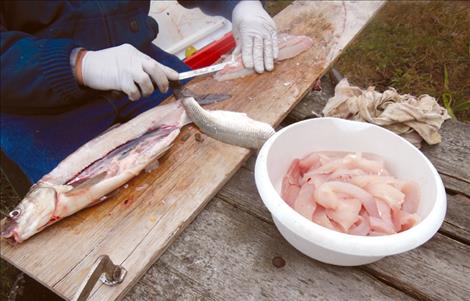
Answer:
(351, 193)
(289, 47)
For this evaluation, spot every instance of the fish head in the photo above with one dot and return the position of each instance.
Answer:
(31, 215)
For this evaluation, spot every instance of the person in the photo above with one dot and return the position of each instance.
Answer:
(63, 61)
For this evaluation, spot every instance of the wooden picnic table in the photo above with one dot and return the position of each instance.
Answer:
(233, 251)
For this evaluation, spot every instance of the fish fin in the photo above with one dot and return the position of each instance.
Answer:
(87, 183)
(204, 99)
(207, 99)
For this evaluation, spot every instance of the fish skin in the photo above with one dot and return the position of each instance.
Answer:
(100, 146)
(229, 127)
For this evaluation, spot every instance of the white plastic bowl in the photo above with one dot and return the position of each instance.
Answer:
(402, 159)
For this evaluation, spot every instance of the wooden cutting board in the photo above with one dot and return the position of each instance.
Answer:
(137, 224)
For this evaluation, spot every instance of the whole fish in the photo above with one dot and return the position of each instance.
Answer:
(94, 170)
(110, 160)
(289, 47)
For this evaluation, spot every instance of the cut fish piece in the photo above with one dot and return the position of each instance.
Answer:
(362, 226)
(346, 174)
(293, 173)
(346, 214)
(292, 45)
(317, 181)
(408, 220)
(305, 204)
(364, 180)
(289, 192)
(289, 47)
(412, 197)
(369, 166)
(385, 213)
(388, 193)
(379, 225)
(320, 217)
(309, 162)
(326, 195)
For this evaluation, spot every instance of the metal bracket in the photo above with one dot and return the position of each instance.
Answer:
(106, 271)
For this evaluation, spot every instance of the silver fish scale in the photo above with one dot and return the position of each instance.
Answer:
(236, 129)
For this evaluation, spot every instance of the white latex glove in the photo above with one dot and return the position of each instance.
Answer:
(256, 36)
(126, 69)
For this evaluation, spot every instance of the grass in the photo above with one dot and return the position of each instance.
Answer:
(417, 48)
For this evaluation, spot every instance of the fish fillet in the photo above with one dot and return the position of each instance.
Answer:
(289, 47)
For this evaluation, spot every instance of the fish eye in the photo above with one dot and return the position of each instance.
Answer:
(14, 213)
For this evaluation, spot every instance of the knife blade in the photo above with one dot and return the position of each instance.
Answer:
(203, 71)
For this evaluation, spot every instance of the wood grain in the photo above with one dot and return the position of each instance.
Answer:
(457, 222)
(226, 254)
(438, 270)
(136, 225)
(163, 282)
(452, 156)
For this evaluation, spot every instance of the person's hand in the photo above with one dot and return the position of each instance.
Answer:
(255, 33)
(126, 69)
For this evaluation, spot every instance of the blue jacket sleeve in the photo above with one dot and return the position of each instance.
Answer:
(222, 8)
(35, 73)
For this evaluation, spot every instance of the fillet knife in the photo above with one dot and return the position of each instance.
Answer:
(204, 71)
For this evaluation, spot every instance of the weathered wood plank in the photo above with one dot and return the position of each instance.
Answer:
(452, 156)
(457, 222)
(227, 254)
(166, 284)
(455, 185)
(312, 103)
(438, 270)
(241, 192)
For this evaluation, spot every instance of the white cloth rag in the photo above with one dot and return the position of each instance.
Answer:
(412, 118)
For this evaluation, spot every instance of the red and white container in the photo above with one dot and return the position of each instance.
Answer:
(182, 28)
